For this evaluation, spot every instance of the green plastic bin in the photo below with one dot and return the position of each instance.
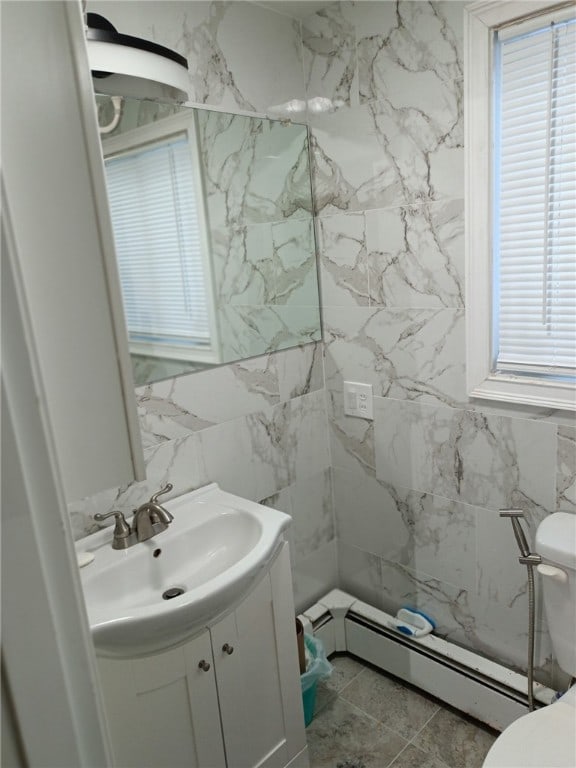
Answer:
(319, 668)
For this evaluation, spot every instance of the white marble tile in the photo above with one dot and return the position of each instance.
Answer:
(488, 461)
(314, 576)
(228, 47)
(281, 501)
(254, 170)
(82, 511)
(174, 408)
(566, 470)
(421, 120)
(308, 434)
(406, 148)
(351, 170)
(444, 537)
(360, 574)
(309, 503)
(415, 255)
(312, 513)
(300, 370)
(393, 39)
(179, 462)
(367, 517)
(288, 442)
(250, 331)
(265, 264)
(262, 51)
(351, 439)
(499, 630)
(227, 457)
(242, 258)
(343, 260)
(300, 324)
(411, 354)
(329, 47)
(432, 535)
(294, 263)
(469, 618)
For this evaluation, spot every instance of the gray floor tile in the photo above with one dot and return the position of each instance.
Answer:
(398, 707)
(341, 735)
(459, 742)
(412, 757)
(345, 670)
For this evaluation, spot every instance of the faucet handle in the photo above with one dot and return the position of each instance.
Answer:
(118, 515)
(121, 530)
(167, 488)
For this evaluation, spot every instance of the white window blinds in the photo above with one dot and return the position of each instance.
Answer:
(155, 218)
(535, 199)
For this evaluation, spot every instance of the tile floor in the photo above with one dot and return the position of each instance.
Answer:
(367, 719)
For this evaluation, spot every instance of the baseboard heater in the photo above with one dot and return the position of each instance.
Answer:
(465, 680)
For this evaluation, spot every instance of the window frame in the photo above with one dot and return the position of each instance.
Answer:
(482, 19)
(138, 138)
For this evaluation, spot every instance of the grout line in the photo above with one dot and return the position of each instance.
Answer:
(419, 731)
(388, 727)
(356, 676)
(366, 714)
(398, 755)
(336, 694)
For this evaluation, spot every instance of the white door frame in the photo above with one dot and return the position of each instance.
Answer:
(50, 676)
(48, 658)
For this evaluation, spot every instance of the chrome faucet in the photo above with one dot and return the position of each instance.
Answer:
(149, 519)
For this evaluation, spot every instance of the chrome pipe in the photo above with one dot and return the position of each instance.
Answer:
(530, 560)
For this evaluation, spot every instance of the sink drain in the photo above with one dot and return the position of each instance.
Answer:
(172, 592)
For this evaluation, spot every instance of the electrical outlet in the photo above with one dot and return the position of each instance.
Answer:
(358, 400)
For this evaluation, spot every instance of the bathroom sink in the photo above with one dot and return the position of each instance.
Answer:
(158, 593)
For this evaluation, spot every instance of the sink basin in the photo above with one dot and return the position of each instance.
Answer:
(209, 557)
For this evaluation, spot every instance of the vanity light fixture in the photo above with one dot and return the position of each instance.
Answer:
(123, 65)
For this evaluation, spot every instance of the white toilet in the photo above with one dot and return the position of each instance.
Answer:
(546, 738)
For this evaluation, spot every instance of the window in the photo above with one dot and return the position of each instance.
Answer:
(158, 223)
(521, 203)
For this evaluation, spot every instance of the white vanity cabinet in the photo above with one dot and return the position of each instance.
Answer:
(229, 698)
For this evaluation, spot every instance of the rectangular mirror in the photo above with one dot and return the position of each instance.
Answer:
(212, 219)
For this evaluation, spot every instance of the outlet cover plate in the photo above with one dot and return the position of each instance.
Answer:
(358, 400)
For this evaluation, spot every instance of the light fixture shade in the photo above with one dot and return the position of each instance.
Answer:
(123, 65)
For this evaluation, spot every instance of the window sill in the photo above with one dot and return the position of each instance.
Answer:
(525, 391)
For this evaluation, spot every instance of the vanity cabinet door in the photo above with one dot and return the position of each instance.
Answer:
(163, 710)
(257, 675)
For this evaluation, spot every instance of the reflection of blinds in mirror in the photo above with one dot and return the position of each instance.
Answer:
(156, 226)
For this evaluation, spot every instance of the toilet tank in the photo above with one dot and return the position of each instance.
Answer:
(556, 543)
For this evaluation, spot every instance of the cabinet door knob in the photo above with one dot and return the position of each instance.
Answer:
(227, 649)
(203, 665)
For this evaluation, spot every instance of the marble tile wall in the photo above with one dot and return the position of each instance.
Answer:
(259, 427)
(240, 56)
(259, 210)
(417, 491)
